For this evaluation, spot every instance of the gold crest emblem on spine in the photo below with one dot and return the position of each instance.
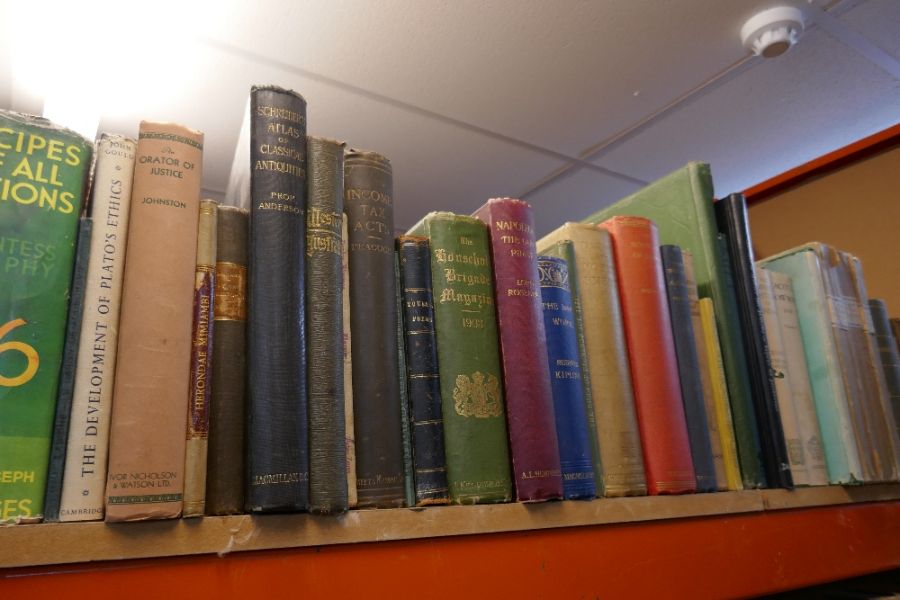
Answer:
(478, 396)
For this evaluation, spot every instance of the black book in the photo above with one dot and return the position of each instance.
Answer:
(277, 445)
(689, 368)
(731, 215)
(889, 352)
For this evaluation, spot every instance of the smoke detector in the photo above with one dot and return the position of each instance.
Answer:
(772, 32)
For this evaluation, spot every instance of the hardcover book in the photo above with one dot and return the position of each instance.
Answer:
(409, 483)
(475, 434)
(523, 345)
(889, 354)
(43, 173)
(147, 436)
(84, 482)
(349, 437)
(651, 352)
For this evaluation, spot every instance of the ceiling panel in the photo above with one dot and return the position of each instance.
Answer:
(879, 21)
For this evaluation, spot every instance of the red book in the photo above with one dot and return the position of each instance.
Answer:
(523, 345)
(651, 352)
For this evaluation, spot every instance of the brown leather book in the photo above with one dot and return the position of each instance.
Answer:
(147, 441)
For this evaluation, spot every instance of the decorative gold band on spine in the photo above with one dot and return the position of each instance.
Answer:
(231, 292)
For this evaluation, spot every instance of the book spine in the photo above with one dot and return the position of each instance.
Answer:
(688, 364)
(84, 482)
(325, 327)
(564, 364)
(731, 213)
(781, 370)
(720, 396)
(368, 202)
(409, 480)
(202, 335)
(422, 367)
(523, 344)
(651, 351)
(67, 370)
(889, 354)
(150, 402)
(715, 436)
(475, 434)
(895, 328)
(277, 441)
(349, 436)
(43, 171)
(228, 403)
(801, 392)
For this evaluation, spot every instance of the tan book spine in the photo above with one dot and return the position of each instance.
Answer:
(348, 371)
(798, 376)
(720, 395)
(778, 359)
(84, 480)
(610, 375)
(201, 372)
(147, 439)
(715, 438)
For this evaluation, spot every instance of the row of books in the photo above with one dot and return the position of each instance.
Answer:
(285, 351)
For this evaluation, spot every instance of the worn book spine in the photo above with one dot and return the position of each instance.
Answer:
(349, 436)
(622, 469)
(43, 174)
(679, 302)
(277, 442)
(424, 384)
(781, 374)
(475, 433)
(715, 436)
(889, 354)
(409, 479)
(721, 404)
(202, 335)
(565, 249)
(369, 204)
(651, 352)
(150, 402)
(565, 369)
(325, 327)
(798, 376)
(802, 264)
(895, 328)
(84, 482)
(523, 345)
(228, 403)
(67, 369)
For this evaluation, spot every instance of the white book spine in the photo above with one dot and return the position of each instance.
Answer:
(84, 479)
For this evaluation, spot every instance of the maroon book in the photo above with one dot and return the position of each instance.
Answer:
(523, 346)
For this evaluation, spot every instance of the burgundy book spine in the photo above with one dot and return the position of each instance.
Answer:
(523, 345)
(651, 352)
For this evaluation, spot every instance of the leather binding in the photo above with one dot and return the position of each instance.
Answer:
(681, 205)
(228, 403)
(889, 354)
(895, 328)
(349, 439)
(409, 479)
(731, 213)
(801, 392)
(781, 370)
(325, 327)
(277, 441)
(523, 344)
(148, 429)
(622, 469)
(565, 369)
(369, 204)
(67, 370)
(688, 363)
(202, 334)
(475, 434)
(651, 352)
(706, 375)
(424, 384)
(565, 249)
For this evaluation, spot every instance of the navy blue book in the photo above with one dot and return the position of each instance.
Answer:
(688, 368)
(565, 378)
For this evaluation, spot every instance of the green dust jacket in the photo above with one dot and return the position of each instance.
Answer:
(43, 178)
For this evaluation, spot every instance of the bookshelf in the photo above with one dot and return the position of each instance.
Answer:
(705, 545)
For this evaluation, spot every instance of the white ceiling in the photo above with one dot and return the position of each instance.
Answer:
(474, 99)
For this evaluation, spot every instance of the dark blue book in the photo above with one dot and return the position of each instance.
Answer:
(688, 368)
(566, 380)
